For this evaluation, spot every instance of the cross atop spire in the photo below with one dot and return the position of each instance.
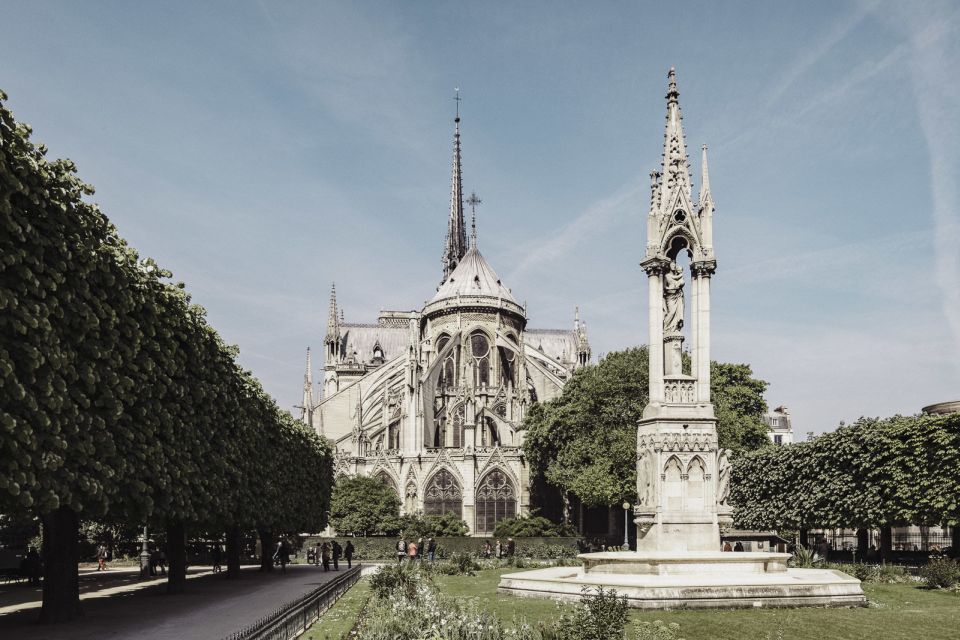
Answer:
(676, 165)
(456, 240)
(473, 201)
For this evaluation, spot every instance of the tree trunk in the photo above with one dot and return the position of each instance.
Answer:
(886, 543)
(176, 557)
(233, 552)
(61, 553)
(266, 549)
(803, 538)
(863, 544)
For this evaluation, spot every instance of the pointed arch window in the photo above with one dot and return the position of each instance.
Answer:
(480, 350)
(393, 436)
(443, 495)
(673, 485)
(496, 499)
(458, 420)
(385, 478)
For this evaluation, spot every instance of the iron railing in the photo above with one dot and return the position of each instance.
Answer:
(293, 618)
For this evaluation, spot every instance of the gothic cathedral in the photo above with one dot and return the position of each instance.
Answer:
(431, 401)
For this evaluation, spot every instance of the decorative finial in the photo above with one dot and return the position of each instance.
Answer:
(673, 94)
(457, 98)
(473, 201)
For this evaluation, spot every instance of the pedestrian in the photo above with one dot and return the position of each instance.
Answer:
(348, 554)
(431, 549)
(499, 549)
(282, 555)
(511, 547)
(325, 555)
(420, 548)
(101, 558)
(162, 562)
(317, 552)
(823, 548)
(401, 550)
(31, 565)
(488, 549)
(310, 555)
(412, 551)
(337, 552)
(216, 557)
(726, 546)
(738, 546)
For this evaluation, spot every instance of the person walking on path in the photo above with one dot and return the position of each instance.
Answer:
(337, 552)
(348, 554)
(317, 552)
(412, 551)
(282, 555)
(431, 549)
(216, 557)
(325, 556)
(726, 546)
(511, 547)
(738, 546)
(401, 550)
(499, 549)
(32, 566)
(824, 549)
(101, 558)
(420, 548)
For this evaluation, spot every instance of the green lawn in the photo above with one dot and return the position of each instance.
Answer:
(896, 612)
(336, 623)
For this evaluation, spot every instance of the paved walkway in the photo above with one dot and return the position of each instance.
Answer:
(117, 605)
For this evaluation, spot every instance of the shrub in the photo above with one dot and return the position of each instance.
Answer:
(804, 558)
(528, 527)
(393, 579)
(941, 574)
(658, 630)
(598, 616)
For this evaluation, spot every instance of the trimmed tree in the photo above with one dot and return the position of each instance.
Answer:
(362, 505)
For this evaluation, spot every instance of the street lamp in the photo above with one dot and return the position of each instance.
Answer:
(144, 556)
(626, 526)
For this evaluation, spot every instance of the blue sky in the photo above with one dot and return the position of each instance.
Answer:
(262, 150)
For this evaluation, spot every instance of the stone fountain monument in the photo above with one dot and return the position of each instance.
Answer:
(683, 477)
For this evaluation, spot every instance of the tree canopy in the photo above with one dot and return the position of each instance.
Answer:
(363, 505)
(873, 473)
(585, 441)
(118, 401)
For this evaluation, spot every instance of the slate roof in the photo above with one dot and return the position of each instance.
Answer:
(362, 338)
(473, 277)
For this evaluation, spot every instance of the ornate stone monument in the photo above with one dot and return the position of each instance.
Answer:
(683, 477)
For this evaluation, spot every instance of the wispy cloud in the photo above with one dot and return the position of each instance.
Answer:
(628, 200)
(813, 54)
(935, 56)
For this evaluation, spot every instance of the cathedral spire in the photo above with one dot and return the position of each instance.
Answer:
(676, 165)
(333, 323)
(306, 409)
(706, 198)
(456, 242)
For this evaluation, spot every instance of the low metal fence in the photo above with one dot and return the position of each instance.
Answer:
(293, 618)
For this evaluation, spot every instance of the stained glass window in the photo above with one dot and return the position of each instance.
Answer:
(443, 495)
(496, 500)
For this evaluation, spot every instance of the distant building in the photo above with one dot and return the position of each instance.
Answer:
(943, 408)
(780, 425)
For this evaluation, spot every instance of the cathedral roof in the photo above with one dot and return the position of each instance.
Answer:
(473, 277)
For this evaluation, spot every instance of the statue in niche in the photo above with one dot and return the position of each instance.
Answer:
(673, 299)
(645, 473)
(723, 477)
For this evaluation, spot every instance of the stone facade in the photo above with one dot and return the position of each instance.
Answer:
(431, 400)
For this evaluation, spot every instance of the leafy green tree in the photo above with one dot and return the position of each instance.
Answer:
(362, 505)
(119, 403)
(872, 474)
(584, 442)
(532, 527)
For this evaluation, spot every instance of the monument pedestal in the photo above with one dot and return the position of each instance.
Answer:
(691, 580)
